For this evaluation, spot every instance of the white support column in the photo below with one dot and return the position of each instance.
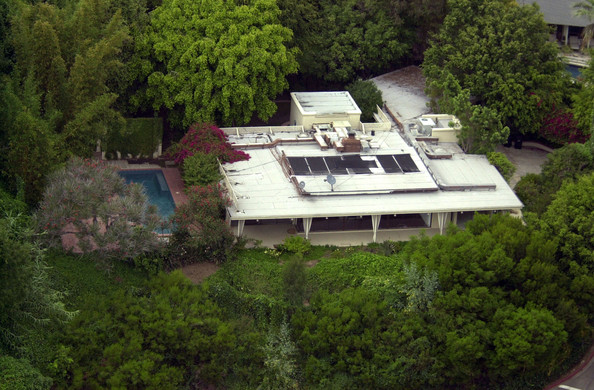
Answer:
(375, 221)
(240, 225)
(441, 221)
(306, 226)
(566, 35)
(455, 218)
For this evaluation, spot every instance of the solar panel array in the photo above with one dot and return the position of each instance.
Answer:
(352, 164)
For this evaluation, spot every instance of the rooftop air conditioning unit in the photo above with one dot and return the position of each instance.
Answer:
(426, 126)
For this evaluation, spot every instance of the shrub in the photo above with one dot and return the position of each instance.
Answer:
(88, 203)
(208, 139)
(280, 367)
(503, 165)
(561, 128)
(295, 244)
(201, 169)
(367, 96)
(535, 194)
(201, 233)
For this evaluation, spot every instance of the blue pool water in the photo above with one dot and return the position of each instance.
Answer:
(156, 189)
(575, 71)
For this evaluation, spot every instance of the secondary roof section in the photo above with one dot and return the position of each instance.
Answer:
(323, 103)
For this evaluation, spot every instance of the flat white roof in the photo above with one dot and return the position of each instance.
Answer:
(264, 191)
(316, 103)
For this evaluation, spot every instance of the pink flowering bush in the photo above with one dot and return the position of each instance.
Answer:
(201, 233)
(87, 207)
(207, 139)
(560, 127)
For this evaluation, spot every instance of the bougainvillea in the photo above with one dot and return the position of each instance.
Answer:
(87, 207)
(208, 139)
(560, 127)
(201, 233)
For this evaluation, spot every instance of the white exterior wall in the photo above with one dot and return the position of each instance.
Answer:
(445, 134)
(296, 116)
(299, 117)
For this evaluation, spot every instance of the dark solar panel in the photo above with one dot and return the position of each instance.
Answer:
(317, 165)
(355, 162)
(351, 164)
(406, 163)
(299, 165)
(335, 164)
(389, 164)
(359, 171)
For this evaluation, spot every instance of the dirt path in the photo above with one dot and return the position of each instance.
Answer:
(199, 271)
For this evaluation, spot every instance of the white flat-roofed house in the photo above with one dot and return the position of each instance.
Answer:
(335, 184)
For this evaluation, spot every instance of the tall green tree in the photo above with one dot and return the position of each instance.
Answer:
(61, 89)
(341, 40)
(499, 52)
(221, 60)
(27, 299)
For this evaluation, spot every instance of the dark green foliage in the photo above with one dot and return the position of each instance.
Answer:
(496, 52)
(583, 106)
(342, 40)
(532, 191)
(496, 278)
(568, 162)
(28, 301)
(164, 336)
(201, 169)
(86, 282)
(18, 374)
(140, 137)
(374, 272)
(351, 340)
(251, 286)
(367, 96)
(295, 281)
(502, 163)
(564, 164)
(570, 219)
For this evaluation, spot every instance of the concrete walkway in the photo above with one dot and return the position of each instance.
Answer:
(527, 160)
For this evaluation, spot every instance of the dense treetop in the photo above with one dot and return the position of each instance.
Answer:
(218, 60)
(495, 54)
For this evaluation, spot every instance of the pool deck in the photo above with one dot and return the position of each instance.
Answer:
(176, 185)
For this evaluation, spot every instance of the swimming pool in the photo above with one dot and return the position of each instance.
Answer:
(574, 70)
(156, 188)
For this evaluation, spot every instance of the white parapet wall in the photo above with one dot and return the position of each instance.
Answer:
(447, 127)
